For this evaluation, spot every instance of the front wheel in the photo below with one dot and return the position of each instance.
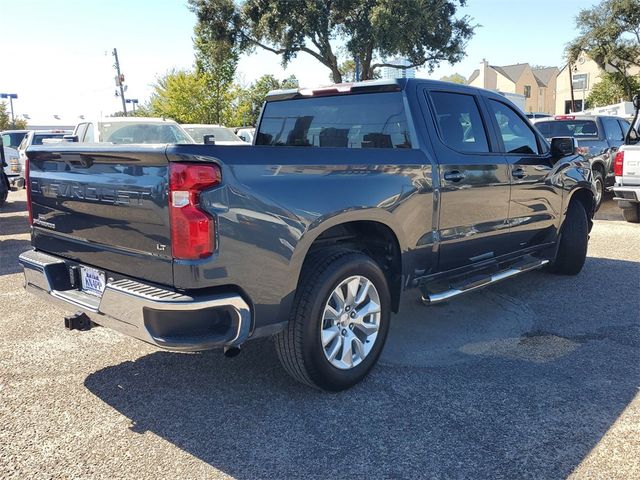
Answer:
(339, 321)
(574, 237)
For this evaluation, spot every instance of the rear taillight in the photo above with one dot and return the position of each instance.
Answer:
(192, 229)
(27, 181)
(618, 163)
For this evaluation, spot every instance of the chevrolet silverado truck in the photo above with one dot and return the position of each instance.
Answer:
(350, 195)
(627, 171)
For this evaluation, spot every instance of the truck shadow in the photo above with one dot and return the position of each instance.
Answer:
(481, 414)
(12, 206)
(9, 252)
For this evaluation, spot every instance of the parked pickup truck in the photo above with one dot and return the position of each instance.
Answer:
(627, 171)
(598, 138)
(349, 196)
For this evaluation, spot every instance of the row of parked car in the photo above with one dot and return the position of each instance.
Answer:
(598, 138)
(116, 130)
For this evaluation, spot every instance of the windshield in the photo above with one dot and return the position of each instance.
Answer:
(38, 138)
(13, 139)
(221, 134)
(136, 132)
(568, 128)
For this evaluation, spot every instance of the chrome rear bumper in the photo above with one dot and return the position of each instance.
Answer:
(162, 317)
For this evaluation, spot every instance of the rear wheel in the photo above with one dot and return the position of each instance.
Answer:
(339, 321)
(574, 236)
(632, 214)
(598, 181)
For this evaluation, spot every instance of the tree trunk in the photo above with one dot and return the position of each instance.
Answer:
(367, 72)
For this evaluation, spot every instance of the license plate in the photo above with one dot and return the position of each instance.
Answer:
(93, 281)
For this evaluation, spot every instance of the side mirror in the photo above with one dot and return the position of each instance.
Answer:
(70, 138)
(562, 146)
(209, 139)
(636, 101)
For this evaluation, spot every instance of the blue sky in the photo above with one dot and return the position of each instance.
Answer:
(57, 54)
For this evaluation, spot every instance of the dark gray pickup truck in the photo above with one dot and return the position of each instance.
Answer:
(349, 196)
(598, 138)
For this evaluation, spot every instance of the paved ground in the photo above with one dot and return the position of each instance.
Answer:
(536, 378)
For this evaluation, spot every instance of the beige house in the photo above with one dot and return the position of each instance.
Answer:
(585, 73)
(537, 85)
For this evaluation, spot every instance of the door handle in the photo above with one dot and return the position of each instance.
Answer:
(518, 173)
(454, 176)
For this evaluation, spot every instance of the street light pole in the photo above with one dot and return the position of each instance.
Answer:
(10, 96)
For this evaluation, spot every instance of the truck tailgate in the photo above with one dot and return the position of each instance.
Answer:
(630, 167)
(104, 207)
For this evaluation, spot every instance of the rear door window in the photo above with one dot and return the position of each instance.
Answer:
(459, 122)
(612, 129)
(517, 134)
(376, 120)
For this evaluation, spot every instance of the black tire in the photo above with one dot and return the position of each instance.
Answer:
(574, 236)
(598, 181)
(632, 214)
(3, 197)
(299, 346)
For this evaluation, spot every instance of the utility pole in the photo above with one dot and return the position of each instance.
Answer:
(120, 81)
(357, 79)
(573, 101)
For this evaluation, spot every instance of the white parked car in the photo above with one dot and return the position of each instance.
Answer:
(221, 135)
(246, 134)
(626, 167)
(37, 137)
(127, 130)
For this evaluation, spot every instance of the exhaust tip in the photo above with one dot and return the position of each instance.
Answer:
(231, 352)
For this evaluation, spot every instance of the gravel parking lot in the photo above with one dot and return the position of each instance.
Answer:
(534, 378)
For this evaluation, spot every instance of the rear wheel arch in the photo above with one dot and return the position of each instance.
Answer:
(599, 166)
(374, 238)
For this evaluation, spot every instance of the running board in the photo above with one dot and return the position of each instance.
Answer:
(477, 283)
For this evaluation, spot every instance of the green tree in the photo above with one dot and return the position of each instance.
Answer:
(5, 120)
(348, 71)
(216, 62)
(610, 35)
(426, 32)
(611, 89)
(248, 101)
(186, 97)
(454, 78)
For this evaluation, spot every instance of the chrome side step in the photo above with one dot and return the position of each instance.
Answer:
(476, 284)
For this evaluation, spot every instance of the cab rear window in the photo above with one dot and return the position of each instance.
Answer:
(568, 128)
(39, 139)
(375, 120)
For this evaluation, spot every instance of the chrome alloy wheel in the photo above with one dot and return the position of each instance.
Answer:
(350, 322)
(599, 190)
